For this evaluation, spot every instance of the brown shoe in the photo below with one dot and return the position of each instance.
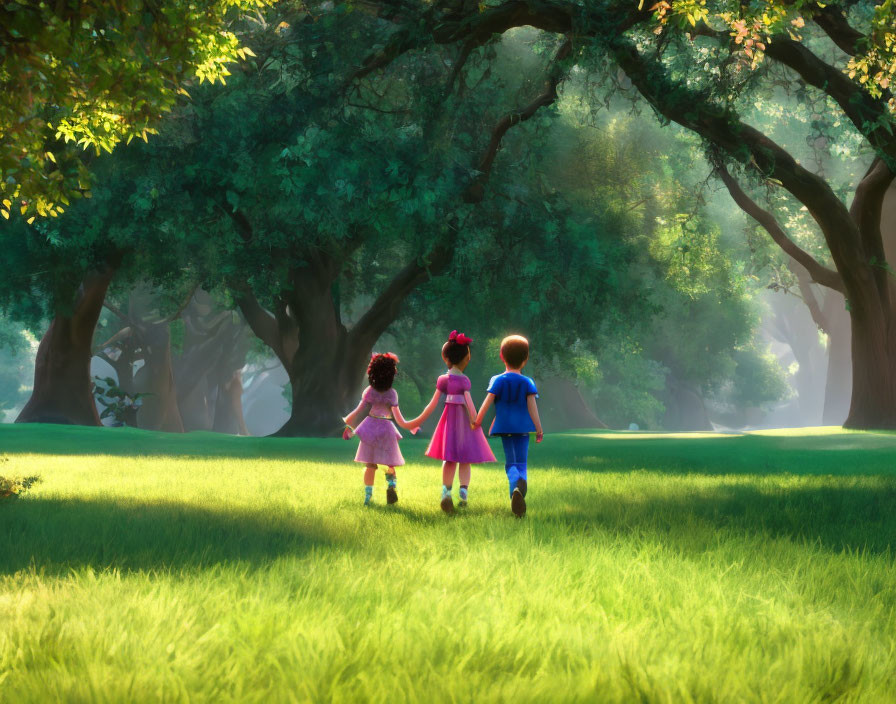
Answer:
(518, 499)
(447, 504)
(391, 495)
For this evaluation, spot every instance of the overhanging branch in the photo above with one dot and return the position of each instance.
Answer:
(476, 190)
(819, 273)
(385, 308)
(833, 22)
(871, 116)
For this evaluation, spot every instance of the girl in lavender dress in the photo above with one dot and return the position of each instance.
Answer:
(378, 436)
(455, 441)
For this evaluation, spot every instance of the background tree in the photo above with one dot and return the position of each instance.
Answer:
(14, 352)
(322, 211)
(696, 64)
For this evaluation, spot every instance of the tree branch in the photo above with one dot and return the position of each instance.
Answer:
(476, 190)
(115, 310)
(833, 22)
(459, 64)
(120, 335)
(809, 298)
(263, 323)
(870, 116)
(678, 103)
(866, 209)
(180, 309)
(385, 308)
(819, 273)
(240, 222)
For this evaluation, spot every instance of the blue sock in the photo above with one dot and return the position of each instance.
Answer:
(463, 493)
(368, 494)
(390, 480)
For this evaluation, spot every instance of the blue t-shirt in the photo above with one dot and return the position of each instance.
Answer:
(511, 392)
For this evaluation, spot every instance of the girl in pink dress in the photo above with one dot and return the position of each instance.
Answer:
(455, 441)
(378, 436)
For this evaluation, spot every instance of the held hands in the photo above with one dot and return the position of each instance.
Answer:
(347, 433)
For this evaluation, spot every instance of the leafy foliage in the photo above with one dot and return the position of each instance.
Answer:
(92, 75)
(118, 404)
(14, 486)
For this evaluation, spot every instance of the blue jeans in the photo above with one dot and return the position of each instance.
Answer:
(516, 453)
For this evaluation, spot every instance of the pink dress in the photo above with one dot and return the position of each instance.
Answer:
(378, 436)
(454, 440)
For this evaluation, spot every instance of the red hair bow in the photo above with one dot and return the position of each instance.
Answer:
(459, 338)
(390, 355)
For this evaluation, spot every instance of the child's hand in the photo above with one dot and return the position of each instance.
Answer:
(347, 434)
(539, 437)
(476, 424)
(414, 429)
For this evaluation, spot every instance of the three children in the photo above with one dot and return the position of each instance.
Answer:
(458, 439)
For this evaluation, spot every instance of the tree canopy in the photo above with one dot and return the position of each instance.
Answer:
(80, 76)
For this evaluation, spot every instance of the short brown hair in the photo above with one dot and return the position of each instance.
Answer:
(515, 350)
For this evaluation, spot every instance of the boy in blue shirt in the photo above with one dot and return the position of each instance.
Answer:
(516, 415)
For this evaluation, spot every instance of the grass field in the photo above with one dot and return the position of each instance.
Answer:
(653, 568)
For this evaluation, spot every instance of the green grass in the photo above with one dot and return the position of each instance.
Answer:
(654, 568)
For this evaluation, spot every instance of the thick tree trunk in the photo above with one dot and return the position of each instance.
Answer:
(156, 378)
(326, 384)
(562, 406)
(685, 408)
(229, 407)
(871, 292)
(63, 389)
(873, 318)
(327, 369)
(873, 404)
(214, 351)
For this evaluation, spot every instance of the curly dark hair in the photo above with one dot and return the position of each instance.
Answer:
(454, 352)
(381, 371)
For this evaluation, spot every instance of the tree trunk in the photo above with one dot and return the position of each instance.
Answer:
(838, 384)
(156, 378)
(229, 407)
(327, 369)
(562, 406)
(214, 353)
(326, 384)
(63, 389)
(873, 404)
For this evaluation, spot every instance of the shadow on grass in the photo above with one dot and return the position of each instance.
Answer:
(56, 535)
(837, 519)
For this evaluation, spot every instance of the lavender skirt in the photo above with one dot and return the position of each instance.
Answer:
(379, 442)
